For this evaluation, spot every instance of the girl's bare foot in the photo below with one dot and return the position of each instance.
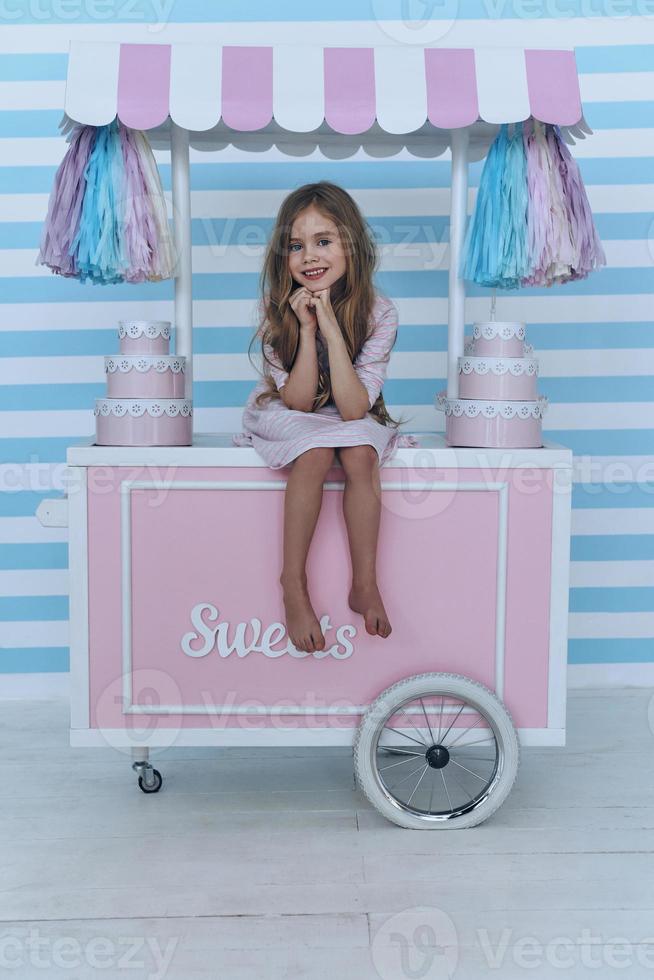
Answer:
(365, 599)
(302, 623)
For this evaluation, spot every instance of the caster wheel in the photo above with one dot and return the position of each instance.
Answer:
(155, 782)
(436, 752)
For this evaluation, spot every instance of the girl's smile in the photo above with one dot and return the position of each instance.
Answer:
(315, 273)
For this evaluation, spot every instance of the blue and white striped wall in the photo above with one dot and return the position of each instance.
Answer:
(595, 339)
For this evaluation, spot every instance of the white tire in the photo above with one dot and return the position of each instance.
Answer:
(498, 770)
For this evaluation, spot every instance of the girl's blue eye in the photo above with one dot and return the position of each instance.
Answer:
(291, 247)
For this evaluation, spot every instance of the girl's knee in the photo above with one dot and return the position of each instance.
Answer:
(357, 459)
(319, 458)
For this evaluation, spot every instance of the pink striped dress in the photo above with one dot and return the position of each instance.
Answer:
(280, 434)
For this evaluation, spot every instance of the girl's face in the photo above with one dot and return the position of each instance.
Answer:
(315, 253)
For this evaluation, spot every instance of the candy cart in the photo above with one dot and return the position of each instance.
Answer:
(176, 616)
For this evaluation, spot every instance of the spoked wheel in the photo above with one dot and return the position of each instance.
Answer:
(436, 751)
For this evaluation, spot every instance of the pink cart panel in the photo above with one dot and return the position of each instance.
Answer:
(185, 614)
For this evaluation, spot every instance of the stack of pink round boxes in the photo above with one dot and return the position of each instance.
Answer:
(145, 403)
(498, 404)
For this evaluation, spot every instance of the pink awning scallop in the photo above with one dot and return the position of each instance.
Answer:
(349, 75)
(349, 88)
(143, 85)
(247, 87)
(549, 101)
(451, 87)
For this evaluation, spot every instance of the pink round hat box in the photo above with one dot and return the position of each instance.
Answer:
(502, 378)
(143, 422)
(145, 376)
(144, 336)
(498, 338)
(492, 424)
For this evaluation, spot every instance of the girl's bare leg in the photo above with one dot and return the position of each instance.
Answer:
(362, 509)
(302, 502)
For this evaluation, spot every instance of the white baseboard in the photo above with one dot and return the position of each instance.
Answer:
(39, 687)
(610, 675)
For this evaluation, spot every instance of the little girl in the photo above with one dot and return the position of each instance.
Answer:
(326, 337)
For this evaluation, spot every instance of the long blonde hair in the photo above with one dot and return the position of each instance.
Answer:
(352, 300)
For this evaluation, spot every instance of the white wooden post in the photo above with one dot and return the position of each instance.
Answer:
(456, 300)
(181, 186)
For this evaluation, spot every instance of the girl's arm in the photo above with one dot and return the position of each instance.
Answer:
(371, 364)
(356, 387)
(302, 383)
(350, 396)
(300, 388)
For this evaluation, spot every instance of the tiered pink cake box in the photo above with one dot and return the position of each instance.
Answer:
(143, 422)
(496, 338)
(144, 336)
(501, 424)
(145, 404)
(145, 376)
(498, 403)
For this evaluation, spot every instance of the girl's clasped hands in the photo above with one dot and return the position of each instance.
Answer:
(314, 311)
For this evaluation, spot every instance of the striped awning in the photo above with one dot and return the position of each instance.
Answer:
(304, 88)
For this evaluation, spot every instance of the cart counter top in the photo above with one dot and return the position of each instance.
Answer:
(217, 449)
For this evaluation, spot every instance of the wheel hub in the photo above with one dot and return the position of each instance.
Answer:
(437, 756)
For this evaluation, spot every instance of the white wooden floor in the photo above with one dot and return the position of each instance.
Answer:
(270, 864)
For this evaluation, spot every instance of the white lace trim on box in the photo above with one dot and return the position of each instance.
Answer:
(498, 365)
(496, 328)
(139, 406)
(144, 328)
(145, 362)
(471, 407)
(469, 348)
